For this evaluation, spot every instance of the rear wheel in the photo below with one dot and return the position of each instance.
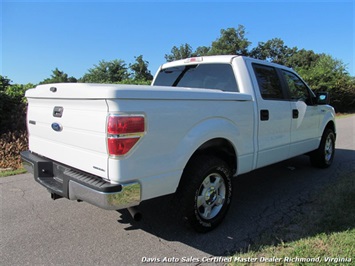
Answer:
(324, 155)
(205, 192)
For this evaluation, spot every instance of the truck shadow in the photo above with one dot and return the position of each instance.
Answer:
(265, 205)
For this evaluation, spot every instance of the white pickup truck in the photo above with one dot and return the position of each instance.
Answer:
(203, 121)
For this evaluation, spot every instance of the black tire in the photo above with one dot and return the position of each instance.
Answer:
(205, 192)
(324, 155)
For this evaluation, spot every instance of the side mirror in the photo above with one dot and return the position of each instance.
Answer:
(322, 98)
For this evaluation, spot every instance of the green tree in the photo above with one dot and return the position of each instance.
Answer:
(140, 69)
(12, 106)
(273, 50)
(5, 82)
(177, 53)
(202, 51)
(330, 75)
(325, 73)
(58, 77)
(107, 72)
(231, 41)
(303, 59)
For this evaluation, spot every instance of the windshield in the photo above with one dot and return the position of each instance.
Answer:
(209, 76)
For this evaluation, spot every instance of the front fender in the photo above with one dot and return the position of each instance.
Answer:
(328, 117)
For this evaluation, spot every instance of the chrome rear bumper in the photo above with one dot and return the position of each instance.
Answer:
(73, 184)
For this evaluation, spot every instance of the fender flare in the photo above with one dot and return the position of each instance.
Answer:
(328, 120)
(203, 132)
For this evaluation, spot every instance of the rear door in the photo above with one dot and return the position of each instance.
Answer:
(274, 115)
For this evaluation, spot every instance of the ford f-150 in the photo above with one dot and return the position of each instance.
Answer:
(203, 121)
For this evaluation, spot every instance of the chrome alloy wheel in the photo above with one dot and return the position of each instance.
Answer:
(211, 196)
(328, 149)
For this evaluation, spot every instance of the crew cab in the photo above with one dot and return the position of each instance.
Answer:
(203, 121)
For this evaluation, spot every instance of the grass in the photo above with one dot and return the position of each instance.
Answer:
(326, 233)
(343, 115)
(321, 249)
(10, 172)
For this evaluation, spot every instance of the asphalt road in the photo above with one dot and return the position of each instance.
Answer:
(38, 231)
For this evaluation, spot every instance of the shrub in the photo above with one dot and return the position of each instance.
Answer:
(13, 134)
(11, 144)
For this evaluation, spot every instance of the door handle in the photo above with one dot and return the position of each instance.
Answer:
(295, 113)
(264, 115)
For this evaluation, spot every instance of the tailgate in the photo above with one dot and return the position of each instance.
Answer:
(69, 131)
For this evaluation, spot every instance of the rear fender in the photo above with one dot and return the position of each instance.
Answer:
(201, 133)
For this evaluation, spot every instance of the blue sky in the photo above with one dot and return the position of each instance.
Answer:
(73, 36)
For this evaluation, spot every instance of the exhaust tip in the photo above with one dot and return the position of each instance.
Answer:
(55, 196)
(136, 215)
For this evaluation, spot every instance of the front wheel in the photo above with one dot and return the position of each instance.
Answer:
(205, 192)
(324, 155)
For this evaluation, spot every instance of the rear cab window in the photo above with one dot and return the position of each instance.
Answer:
(206, 76)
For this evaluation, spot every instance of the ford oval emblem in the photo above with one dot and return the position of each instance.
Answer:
(57, 127)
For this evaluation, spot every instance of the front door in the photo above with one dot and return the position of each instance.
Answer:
(305, 115)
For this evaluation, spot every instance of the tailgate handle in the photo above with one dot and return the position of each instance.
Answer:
(58, 111)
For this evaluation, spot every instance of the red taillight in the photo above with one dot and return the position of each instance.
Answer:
(125, 124)
(123, 132)
(120, 147)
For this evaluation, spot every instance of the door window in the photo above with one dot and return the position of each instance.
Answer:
(269, 82)
(297, 89)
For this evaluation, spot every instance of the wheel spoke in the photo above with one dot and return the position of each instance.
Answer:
(207, 182)
(220, 200)
(328, 149)
(201, 201)
(217, 183)
(207, 212)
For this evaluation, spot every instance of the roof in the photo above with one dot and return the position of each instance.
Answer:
(201, 60)
(227, 59)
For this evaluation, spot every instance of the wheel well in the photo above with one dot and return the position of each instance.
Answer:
(331, 126)
(220, 148)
